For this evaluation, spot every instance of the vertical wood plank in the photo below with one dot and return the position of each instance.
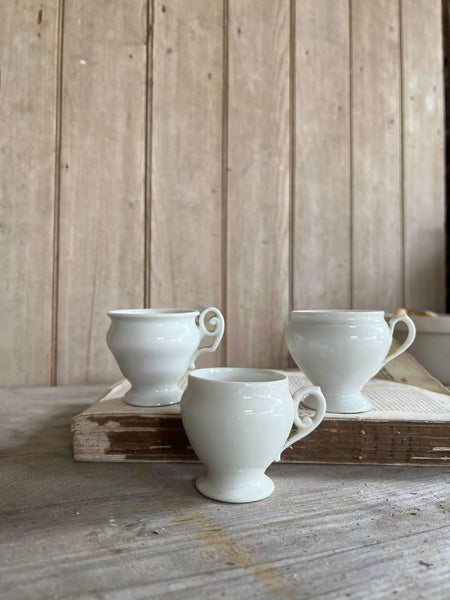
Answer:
(321, 227)
(186, 209)
(423, 142)
(28, 81)
(377, 202)
(258, 183)
(102, 180)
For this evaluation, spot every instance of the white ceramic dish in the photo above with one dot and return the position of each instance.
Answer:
(432, 344)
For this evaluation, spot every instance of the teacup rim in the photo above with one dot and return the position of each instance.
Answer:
(152, 312)
(272, 376)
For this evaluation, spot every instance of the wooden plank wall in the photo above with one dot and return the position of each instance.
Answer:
(254, 155)
(185, 171)
(257, 182)
(28, 119)
(101, 235)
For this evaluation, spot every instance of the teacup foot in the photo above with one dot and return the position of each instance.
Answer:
(343, 403)
(151, 398)
(230, 489)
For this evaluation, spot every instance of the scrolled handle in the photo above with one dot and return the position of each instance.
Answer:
(305, 425)
(217, 322)
(409, 340)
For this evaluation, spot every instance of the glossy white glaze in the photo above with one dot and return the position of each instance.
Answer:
(155, 347)
(238, 422)
(340, 350)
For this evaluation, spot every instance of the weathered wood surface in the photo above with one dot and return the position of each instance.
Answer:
(258, 183)
(424, 221)
(28, 64)
(186, 158)
(83, 531)
(258, 156)
(377, 245)
(101, 258)
(322, 182)
(406, 426)
(113, 431)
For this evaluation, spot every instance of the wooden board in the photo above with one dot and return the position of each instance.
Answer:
(377, 278)
(186, 166)
(424, 207)
(258, 183)
(321, 208)
(28, 82)
(407, 425)
(101, 264)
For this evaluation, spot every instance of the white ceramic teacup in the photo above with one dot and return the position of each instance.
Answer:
(238, 422)
(340, 350)
(154, 348)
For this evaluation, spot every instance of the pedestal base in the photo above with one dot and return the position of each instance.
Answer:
(230, 489)
(343, 403)
(153, 397)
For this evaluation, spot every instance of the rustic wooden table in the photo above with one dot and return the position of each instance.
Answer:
(137, 531)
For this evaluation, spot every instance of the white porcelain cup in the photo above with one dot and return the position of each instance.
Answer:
(238, 422)
(154, 348)
(340, 350)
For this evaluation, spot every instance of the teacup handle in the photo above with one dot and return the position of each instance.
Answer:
(306, 424)
(409, 340)
(218, 323)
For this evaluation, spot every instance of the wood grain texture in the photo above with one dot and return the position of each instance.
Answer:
(406, 426)
(100, 437)
(258, 183)
(82, 531)
(186, 211)
(377, 248)
(28, 81)
(321, 276)
(102, 180)
(245, 154)
(423, 151)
